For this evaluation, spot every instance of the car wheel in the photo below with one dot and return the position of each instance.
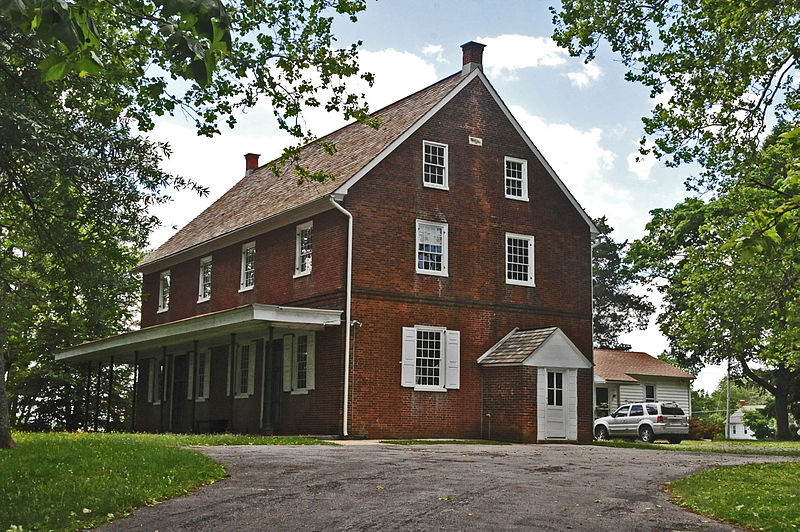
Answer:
(675, 441)
(600, 433)
(646, 434)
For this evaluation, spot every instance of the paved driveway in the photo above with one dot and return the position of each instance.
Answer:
(543, 487)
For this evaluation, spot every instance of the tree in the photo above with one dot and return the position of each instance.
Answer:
(723, 68)
(617, 310)
(722, 301)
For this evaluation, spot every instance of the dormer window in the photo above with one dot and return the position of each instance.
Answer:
(516, 178)
(204, 290)
(248, 276)
(434, 164)
(163, 292)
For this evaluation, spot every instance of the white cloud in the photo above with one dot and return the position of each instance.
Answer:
(582, 78)
(505, 54)
(436, 51)
(641, 165)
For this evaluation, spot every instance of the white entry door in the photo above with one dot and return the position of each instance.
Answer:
(556, 425)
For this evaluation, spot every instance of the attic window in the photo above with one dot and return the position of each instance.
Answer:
(516, 178)
(434, 164)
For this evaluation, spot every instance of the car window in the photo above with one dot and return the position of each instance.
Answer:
(671, 410)
(652, 410)
(636, 410)
(622, 411)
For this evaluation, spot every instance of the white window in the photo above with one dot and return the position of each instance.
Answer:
(298, 362)
(155, 381)
(244, 370)
(555, 389)
(434, 164)
(516, 178)
(303, 244)
(163, 292)
(204, 289)
(431, 254)
(248, 277)
(519, 259)
(202, 376)
(650, 393)
(431, 358)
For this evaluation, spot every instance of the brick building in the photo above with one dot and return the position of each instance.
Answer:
(446, 259)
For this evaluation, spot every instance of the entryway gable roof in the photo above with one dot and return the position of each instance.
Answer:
(546, 347)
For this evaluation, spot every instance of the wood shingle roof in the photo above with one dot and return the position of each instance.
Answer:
(622, 365)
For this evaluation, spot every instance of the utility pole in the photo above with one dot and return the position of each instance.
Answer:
(728, 404)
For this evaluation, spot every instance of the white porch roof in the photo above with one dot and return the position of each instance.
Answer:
(182, 333)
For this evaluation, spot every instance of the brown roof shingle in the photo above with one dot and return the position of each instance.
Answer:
(263, 194)
(518, 346)
(621, 365)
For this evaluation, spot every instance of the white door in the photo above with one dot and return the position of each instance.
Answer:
(556, 426)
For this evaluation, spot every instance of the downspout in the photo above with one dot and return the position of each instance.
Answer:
(348, 298)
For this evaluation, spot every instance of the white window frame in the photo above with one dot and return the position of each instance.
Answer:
(300, 269)
(524, 189)
(644, 390)
(445, 177)
(243, 286)
(163, 302)
(442, 359)
(205, 262)
(557, 400)
(530, 240)
(203, 379)
(291, 362)
(248, 349)
(444, 272)
(155, 391)
(449, 359)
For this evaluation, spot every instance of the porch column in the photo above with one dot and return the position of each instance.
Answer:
(87, 397)
(266, 366)
(109, 409)
(194, 385)
(162, 386)
(135, 382)
(231, 354)
(97, 395)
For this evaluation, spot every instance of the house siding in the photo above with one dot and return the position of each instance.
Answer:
(667, 389)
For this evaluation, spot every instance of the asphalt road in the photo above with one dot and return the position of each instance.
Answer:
(452, 487)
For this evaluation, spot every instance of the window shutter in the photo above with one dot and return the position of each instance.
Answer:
(453, 360)
(230, 369)
(251, 369)
(409, 362)
(287, 362)
(190, 387)
(207, 375)
(310, 360)
(151, 377)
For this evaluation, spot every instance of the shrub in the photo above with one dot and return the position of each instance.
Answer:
(701, 428)
(761, 424)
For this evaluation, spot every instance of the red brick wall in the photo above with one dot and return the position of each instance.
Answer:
(509, 403)
(274, 280)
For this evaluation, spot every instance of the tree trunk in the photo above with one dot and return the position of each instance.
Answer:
(783, 376)
(6, 441)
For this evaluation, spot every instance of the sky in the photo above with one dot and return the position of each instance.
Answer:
(584, 118)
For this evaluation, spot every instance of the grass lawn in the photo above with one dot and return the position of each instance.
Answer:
(445, 442)
(757, 496)
(780, 448)
(68, 481)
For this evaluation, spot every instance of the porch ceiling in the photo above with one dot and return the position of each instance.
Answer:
(250, 318)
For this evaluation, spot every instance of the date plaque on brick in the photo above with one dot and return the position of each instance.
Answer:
(476, 141)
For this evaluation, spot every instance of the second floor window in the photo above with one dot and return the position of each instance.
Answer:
(204, 291)
(431, 248)
(163, 291)
(434, 164)
(248, 277)
(516, 178)
(305, 233)
(519, 259)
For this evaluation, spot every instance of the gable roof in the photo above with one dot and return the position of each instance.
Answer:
(359, 149)
(546, 346)
(621, 366)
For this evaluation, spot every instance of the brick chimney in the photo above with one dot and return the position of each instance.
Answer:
(473, 57)
(250, 162)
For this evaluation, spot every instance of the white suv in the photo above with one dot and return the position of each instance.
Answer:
(647, 421)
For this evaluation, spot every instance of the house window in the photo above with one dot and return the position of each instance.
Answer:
(248, 276)
(431, 358)
(650, 393)
(155, 381)
(163, 292)
(243, 375)
(204, 290)
(733, 429)
(298, 362)
(434, 165)
(304, 237)
(431, 248)
(199, 375)
(519, 259)
(555, 388)
(242, 364)
(516, 178)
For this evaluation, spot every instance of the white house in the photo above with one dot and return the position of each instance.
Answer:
(738, 429)
(622, 377)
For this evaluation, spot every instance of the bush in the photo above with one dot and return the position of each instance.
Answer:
(703, 428)
(762, 426)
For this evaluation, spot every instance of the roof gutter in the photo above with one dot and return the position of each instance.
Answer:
(347, 318)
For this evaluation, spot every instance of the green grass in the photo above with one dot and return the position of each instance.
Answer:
(69, 481)
(757, 496)
(776, 448)
(445, 442)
